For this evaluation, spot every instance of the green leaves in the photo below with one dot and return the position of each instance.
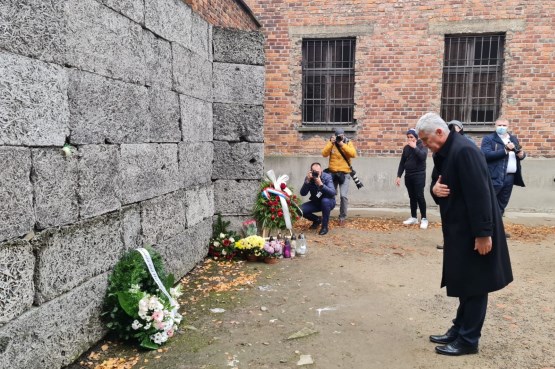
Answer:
(129, 302)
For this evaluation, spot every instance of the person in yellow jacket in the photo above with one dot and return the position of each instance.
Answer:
(339, 168)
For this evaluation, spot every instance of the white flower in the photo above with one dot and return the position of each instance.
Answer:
(147, 326)
(176, 292)
(135, 288)
(224, 252)
(231, 239)
(216, 243)
(154, 303)
(159, 338)
(143, 304)
(222, 235)
(136, 325)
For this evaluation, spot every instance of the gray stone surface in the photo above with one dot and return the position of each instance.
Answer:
(33, 102)
(69, 256)
(134, 9)
(54, 334)
(239, 47)
(192, 73)
(55, 179)
(200, 36)
(233, 197)
(235, 221)
(200, 204)
(102, 41)
(16, 192)
(107, 111)
(100, 184)
(195, 163)
(17, 264)
(184, 251)
(238, 83)
(164, 113)
(196, 119)
(170, 19)
(148, 170)
(238, 160)
(163, 217)
(158, 59)
(131, 226)
(234, 122)
(33, 28)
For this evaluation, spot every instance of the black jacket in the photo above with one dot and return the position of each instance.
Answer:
(327, 189)
(413, 161)
(493, 148)
(470, 211)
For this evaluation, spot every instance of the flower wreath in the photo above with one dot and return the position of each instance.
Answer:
(134, 305)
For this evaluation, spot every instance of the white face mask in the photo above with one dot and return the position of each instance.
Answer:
(501, 130)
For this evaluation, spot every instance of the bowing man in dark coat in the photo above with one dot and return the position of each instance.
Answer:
(475, 257)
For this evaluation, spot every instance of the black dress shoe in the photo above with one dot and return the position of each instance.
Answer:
(323, 231)
(316, 224)
(457, 348)
(444, 339)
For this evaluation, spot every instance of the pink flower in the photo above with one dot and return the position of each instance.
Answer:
(157, 316)
(159, 325)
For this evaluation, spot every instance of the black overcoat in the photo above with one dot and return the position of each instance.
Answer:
(470, 211)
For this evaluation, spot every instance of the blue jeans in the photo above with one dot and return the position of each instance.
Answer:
(504, 192)
(325, 205)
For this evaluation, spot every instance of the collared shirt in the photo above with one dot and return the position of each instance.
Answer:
(511, 164)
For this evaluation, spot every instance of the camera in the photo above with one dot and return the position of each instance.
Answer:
(315, 174)
(356, 180)
(338, 138)
(518, 148)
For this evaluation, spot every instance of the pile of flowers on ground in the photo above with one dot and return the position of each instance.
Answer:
(134, 306)
(251, 245)
(273, 249)
(222, 243)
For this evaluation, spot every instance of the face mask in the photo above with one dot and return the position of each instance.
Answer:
(501, 130)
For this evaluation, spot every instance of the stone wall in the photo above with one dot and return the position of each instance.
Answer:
(162, 124)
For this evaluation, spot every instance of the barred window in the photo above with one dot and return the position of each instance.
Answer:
(472, 78)
(328, 81)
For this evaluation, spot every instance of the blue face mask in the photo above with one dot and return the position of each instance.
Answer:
(501, 130)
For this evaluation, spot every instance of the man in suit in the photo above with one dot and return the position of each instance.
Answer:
(475, 258)
(503, 155)
(322, 197)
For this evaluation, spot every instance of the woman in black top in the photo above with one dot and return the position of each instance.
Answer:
(413, 163)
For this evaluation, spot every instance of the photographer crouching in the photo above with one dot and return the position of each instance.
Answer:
(322, 197)
(340, 151)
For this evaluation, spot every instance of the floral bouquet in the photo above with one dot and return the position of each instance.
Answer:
(276, 207)
(251, 245)
(135, 308)
(222, 247)
(273, 249)
(249, 227)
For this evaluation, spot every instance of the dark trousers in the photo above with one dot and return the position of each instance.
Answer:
(504, 192)
(415, 187)
(470, 318)
(325, 205)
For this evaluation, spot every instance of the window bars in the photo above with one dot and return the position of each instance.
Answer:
(472, 78)
(328, 68)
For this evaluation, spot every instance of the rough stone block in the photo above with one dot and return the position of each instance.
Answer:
(238, 83)
(148, 170)
(235, 197)
(131, 226)
(34, 28)
(240, 160)
(102, 41)
(163, 217)
(33, 102)
(171, 19)
(54, 334)
(195, 163)
(158, 58)
(184, 251)
(196, 119)
(107, 111)
(200, 204)
(164, 112)
(192, 73)
(16, 192)
(100, 184)
(134, 9)
(55, 179)
(239, 47)
(69, 256)
(200, 36)
(238, 122)
(17, 265)
(235, 221)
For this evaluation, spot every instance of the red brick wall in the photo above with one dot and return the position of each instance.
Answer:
(399, 68)
(223, 13)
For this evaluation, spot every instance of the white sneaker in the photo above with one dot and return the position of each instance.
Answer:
(410, 221)
(423, 223)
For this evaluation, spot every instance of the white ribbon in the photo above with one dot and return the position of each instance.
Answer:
(277, 183)
(150, 265)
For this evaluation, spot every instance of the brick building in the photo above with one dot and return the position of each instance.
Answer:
(375, 67)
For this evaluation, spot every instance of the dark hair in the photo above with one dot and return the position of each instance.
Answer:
(315, 163)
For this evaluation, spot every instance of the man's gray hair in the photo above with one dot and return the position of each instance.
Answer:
(429, 122)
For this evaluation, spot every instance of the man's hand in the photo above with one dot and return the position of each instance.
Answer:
(398, 181)
(411, 142)
(308, 176)
(483, 245)
(440, 189)
(332, 139)
(318, 180)
(520, 154)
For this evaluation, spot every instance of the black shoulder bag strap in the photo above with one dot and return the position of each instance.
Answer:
(344, 157)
